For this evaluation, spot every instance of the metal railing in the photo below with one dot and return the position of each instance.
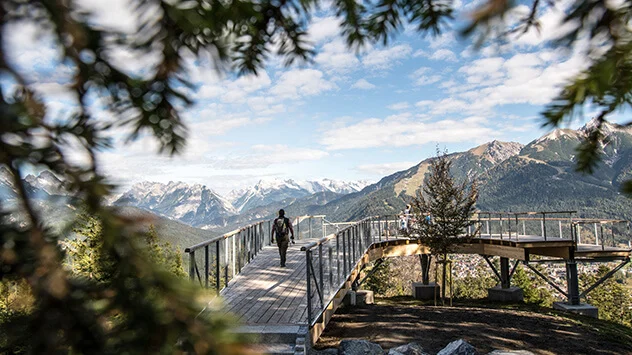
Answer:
(223, 257)
(331, 260)
(602, 232)
(557, 225)
(513, 225)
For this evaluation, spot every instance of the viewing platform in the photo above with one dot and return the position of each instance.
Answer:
(297, 301)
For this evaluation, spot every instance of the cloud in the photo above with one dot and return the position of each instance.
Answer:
(265, 106)
(444, 54)
(533, 78)
(446, 39)
(424, 76)
(447, 105)
(399, 106)
(386, 58)
(298, 83)
(386, 168)
(323, 28)
(363, 84)
(402, 131)
(336, 57)
(263, 156)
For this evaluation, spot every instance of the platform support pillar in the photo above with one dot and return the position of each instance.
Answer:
(425, 268)
(505, 280)
(572, 282)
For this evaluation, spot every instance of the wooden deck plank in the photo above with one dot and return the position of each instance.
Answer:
(263, 289)
(293, 290)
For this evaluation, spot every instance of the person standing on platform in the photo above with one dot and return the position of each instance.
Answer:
(282, 227)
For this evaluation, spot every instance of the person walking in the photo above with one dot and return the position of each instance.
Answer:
(282, 227)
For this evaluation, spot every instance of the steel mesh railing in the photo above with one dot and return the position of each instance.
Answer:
(331, 260)
(215, 262)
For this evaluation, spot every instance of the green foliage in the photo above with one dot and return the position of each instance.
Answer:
(611, 297)
(381, 281)
(533, 287)
(85, 257)
(474, 286)
(163, 254)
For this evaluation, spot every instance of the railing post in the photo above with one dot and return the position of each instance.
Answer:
(320, 272)
(218, 279)
(331, 270)
(308, 266)
(338, 257)
(192, 265)
(579, 233)
(298, 228)
(544, 225)
(353, 246)
(239, 242)
(500, 216)
(233, 244)
(206, 266)
(270, 232)
(248, 244)
(226, 261)
(310, 226)
(561, 236)
(322, 226)
(603, 241)
(344, 253)
(596, 234)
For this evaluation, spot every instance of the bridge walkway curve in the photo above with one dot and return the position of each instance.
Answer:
(264, 293)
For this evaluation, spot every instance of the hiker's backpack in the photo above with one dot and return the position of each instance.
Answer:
(281, 226)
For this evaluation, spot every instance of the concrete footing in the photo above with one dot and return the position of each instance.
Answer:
(511, 294)
(358, 298)
(425, 292)
(583, 309)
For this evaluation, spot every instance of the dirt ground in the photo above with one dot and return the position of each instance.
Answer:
(393, 322)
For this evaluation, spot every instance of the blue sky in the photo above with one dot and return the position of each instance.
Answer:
(348, 116)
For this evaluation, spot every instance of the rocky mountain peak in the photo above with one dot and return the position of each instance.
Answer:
(497, 151)
(606, 127)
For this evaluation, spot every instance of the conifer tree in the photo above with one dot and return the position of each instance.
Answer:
(443, 212)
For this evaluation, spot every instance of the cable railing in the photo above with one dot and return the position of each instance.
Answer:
(223, 257)
(551, 226)
(331, 260)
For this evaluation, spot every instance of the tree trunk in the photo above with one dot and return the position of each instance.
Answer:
(443, 283)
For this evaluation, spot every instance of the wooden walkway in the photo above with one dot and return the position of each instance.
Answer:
(264, 293)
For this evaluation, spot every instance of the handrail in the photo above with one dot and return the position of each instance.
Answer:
(524, 212)
(331, 260)
(331, 236)
(221, 237)
(234, 250)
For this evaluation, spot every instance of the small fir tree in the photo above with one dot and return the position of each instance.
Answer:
(442, 212)
(611, 297)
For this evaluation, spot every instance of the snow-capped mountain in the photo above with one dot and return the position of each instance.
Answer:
(196, 204)
(7, 190)
(48, 182)
(42, 186)
(274, 190)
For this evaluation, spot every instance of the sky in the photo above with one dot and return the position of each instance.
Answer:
(347, 116)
